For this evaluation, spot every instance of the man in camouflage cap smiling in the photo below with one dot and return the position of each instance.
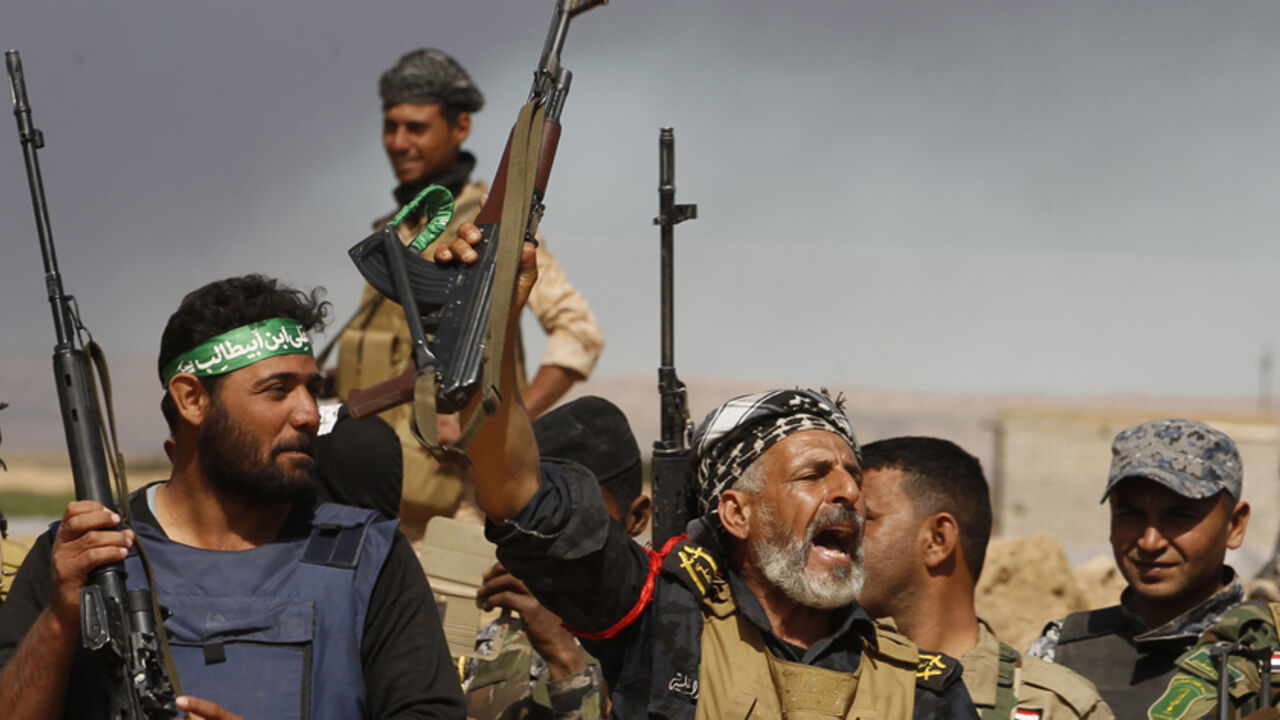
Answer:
(1174, 492)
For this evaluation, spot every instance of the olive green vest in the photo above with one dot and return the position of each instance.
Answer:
(739, 678)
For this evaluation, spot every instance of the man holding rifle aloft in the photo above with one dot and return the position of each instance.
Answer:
(279, 606)
(427, 102)
(760, 616)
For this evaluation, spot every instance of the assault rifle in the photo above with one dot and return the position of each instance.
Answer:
(671, 453)
(117, 625)
(466, 308)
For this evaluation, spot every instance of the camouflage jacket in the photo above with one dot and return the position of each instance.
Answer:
(1192, 693)
(516, 684)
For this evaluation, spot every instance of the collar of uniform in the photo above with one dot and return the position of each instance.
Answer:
(1192, 622)
(982, 667)
(453, 180)
(854, 628)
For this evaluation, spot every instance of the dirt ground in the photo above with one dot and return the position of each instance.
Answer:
(50, 473)
(1026, 582)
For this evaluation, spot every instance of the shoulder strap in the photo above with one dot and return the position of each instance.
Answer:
(337, 535)
(895, 646)
(1006, 685)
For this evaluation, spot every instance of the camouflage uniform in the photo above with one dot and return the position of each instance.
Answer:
(1129, 662)
(375, 346)
(1193, 692)
(516, 685)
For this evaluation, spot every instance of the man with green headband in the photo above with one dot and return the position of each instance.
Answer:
(427, 103)
(277, 605)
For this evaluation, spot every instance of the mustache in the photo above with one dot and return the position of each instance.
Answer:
(302, 443)
(831, 515)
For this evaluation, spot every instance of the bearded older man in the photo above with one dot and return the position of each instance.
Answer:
(753, 617)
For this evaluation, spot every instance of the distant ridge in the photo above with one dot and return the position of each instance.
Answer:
(32, 422)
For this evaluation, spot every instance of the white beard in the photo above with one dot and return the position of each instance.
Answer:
(783, 560)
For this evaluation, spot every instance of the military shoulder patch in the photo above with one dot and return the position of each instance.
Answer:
(1182, 693)
(1027, 714)
(692, 566)
(935, 670)
(1198, 662)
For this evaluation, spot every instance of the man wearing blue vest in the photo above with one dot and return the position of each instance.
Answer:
(279, 606)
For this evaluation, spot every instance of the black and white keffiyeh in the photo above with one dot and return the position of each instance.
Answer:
(733, 435)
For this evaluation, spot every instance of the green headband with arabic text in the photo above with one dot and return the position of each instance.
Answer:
(241, 347)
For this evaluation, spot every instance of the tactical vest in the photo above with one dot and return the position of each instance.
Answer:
(274, 631)
(1099, 645)
(739, 678)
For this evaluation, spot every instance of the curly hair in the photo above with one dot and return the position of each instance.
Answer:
(228, 304)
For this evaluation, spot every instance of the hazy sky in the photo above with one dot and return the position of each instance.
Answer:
(992, 196)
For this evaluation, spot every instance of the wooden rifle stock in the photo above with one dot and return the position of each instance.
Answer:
(367, 402)
(492, 210)
(460, 299)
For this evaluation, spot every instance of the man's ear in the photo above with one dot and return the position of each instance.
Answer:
(1237, 524)
(190, 398)
(460, 130)
(735, 513)
(942, 541)
(637, 517)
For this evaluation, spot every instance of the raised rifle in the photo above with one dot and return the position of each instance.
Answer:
(466, 307)
(119, 626)
(671, 497)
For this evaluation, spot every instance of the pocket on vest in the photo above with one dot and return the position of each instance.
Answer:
(250, 655)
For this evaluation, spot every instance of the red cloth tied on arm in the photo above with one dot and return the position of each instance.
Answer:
(646, 593)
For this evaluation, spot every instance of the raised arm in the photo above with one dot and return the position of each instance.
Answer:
(505, 453)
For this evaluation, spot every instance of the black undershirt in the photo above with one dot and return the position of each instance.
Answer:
(403, 655)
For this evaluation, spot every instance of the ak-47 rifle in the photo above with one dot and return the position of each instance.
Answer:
(671, 453)
(467, 307)
(117, 625)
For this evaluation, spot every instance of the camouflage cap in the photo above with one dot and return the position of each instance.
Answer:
(1190, 458)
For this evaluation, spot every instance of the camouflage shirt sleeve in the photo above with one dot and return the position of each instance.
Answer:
(1192, 693)
(579, 696)
(1045, 647)
(574, 339)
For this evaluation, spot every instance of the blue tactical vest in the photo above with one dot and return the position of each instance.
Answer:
(275, 631)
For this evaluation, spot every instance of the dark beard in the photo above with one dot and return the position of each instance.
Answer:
(233, 474)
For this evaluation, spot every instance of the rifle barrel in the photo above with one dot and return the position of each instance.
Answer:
(32, 140)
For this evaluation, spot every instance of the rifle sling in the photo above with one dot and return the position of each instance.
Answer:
(116, 462)
(517, 201)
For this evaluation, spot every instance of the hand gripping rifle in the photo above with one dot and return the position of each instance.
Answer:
(117, 625)
(467, 307)
(671, 453)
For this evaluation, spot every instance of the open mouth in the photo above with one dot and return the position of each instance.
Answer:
(836, 543)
